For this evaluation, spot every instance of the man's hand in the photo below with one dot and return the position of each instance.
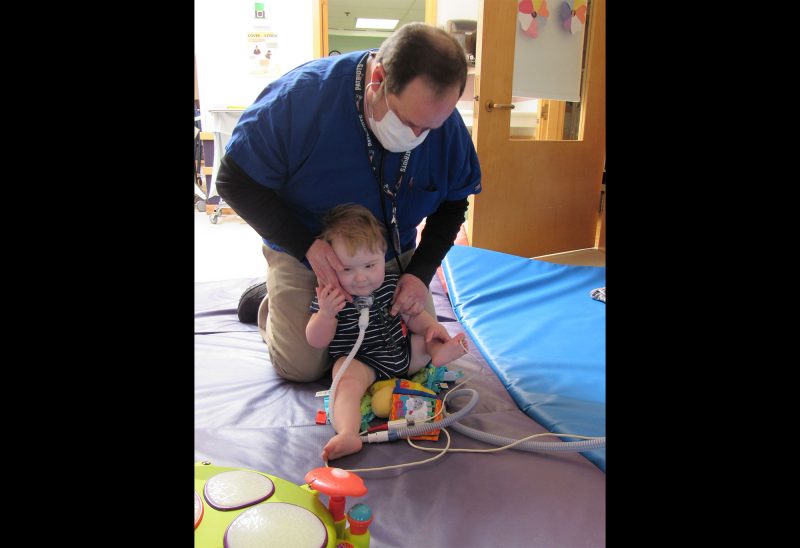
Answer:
(410, 296)
(325, 264)
(437, 331)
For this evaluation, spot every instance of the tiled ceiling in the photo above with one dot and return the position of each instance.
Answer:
(342, 13)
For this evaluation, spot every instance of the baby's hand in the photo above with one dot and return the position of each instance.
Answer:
(331, 300)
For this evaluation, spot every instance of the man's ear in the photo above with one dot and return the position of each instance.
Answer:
(378, 74)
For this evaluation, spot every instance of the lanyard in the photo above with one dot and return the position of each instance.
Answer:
(378, 171)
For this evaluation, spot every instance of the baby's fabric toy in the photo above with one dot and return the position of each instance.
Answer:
(413, 400)
(415, 403)
(429, 378)
(367, 415)
(436, 378)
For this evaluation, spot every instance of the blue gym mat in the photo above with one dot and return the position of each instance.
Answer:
(542, 333)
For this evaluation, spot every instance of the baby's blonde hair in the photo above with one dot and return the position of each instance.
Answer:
(356, 226)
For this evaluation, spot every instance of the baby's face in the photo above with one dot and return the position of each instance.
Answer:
(363, 272)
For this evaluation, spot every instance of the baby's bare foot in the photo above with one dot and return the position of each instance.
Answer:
(341, 445)
(449, 351)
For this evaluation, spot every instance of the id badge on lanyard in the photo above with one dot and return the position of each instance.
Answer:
(378, 172)
(392, 194)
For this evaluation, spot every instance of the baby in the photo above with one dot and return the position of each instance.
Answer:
(388, 349)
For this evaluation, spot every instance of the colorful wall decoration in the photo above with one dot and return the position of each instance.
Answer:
(532, 16)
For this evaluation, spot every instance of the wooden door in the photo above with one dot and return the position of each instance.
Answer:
(538, 197)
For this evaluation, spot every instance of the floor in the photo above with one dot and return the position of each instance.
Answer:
(226, 250)
(231, 249)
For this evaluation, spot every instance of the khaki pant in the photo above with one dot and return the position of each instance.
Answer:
(284, 313)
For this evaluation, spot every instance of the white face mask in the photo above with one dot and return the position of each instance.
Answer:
(391, 132)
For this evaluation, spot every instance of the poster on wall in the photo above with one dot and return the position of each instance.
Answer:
(548, 55)
(262, 50)
(262, 42)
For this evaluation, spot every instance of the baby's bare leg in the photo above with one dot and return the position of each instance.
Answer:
(419, 354)
(436, 351)
(347, 409)
(444, 352)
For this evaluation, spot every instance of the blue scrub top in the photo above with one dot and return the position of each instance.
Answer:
(303, 139)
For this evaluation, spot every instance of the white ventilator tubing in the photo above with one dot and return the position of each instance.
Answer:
(453, 419)
(362, 304)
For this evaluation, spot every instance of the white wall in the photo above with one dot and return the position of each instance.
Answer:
(455, 9)
(225, 68)
(221, 49)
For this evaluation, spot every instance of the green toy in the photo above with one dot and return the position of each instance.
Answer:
(237, 507)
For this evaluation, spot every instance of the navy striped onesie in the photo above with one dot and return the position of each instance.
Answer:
(385, 347)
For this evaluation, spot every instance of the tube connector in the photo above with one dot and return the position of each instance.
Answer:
(376, 437)
(363, 302)
(399, 423)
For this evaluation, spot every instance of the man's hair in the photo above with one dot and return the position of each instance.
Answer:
(417, 49)
(356, 226)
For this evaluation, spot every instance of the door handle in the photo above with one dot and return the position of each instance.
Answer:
(491, 105)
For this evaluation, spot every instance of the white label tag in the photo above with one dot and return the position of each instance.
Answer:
(322, 393)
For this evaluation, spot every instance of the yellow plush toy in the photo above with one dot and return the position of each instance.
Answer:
(382, 402)
(382, 397)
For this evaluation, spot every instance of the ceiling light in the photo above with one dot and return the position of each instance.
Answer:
(383, 24)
